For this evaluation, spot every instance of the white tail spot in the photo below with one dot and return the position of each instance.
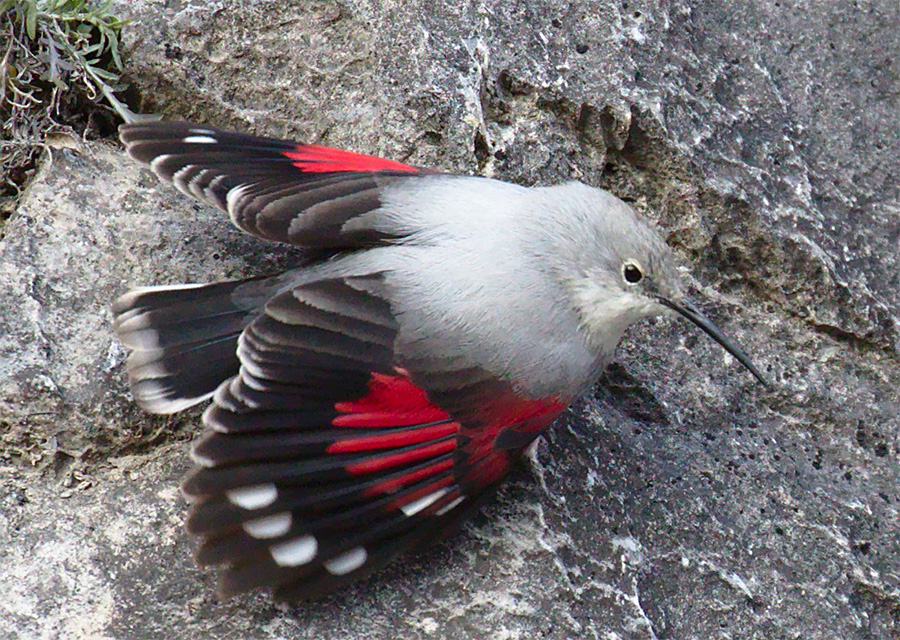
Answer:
(201, 460)
(424, 502)
(269, 527)
(208, 419)
(152, 396)
(144, 365)
(447, 507)
(135, 333)
(347, 562)
(199, 140)
(294, 552)
(255, 497)
(220, 396)
(129, 299)
(248, 365)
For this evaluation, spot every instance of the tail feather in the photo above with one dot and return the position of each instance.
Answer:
(184, 338)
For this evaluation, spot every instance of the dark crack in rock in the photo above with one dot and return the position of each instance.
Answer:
(681, 499)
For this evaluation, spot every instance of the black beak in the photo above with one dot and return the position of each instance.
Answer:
(692, 313)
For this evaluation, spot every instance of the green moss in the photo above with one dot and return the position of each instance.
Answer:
(59, 60)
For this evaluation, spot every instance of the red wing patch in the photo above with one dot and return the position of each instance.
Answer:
(392, 401)
(395, 439)
(508, 426)
(419, 441)
(302, 194)
(307, 506)
(482, 453)
(313, 158)
(520, 421)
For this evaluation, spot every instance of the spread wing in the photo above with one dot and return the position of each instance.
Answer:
(325, 456)
(303, 194)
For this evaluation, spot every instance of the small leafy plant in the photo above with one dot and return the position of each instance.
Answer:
(59, 60)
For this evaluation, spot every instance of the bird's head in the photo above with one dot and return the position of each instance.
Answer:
(618, 270)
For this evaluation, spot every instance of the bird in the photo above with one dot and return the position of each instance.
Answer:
(364, 402)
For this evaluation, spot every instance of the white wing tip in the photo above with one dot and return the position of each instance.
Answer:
(273, 526)
(347, 562)
(450, 506)
(424, 502)
(153, 399)
(128, 299)
(295, 552)
(253, 497)
(199, 139)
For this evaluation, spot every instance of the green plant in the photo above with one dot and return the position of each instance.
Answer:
(56, 58)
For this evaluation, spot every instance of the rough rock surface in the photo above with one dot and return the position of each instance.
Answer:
(681, 500)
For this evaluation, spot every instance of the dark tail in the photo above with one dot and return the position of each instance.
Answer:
(183, 338)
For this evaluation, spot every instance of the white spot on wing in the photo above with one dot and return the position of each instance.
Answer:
(201, 132)
(178, 175)
(199, 140)
(216, 181)
(451, 505)
(295, 552)
(255, 497)
(269, 527)
(196, 187)
(347, 562)
(209, 191)
(158, 160)
(234, 194)
(424, 502)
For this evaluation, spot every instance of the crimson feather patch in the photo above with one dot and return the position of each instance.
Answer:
(312, 158)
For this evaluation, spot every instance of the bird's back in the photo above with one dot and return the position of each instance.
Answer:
(472, 280)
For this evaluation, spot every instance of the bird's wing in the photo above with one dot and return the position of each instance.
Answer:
(324, 457)
(303, 194)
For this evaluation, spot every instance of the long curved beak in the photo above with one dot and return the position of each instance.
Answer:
(692, 313)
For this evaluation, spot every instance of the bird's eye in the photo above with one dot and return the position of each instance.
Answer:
(632, 273)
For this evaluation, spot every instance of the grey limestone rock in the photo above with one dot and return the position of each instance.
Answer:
(681, 500)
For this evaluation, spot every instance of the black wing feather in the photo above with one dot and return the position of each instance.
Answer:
(274, 189)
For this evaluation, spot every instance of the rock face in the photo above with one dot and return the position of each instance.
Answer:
(681, 500)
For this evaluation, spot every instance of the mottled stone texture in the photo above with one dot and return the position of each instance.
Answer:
(681, 500)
